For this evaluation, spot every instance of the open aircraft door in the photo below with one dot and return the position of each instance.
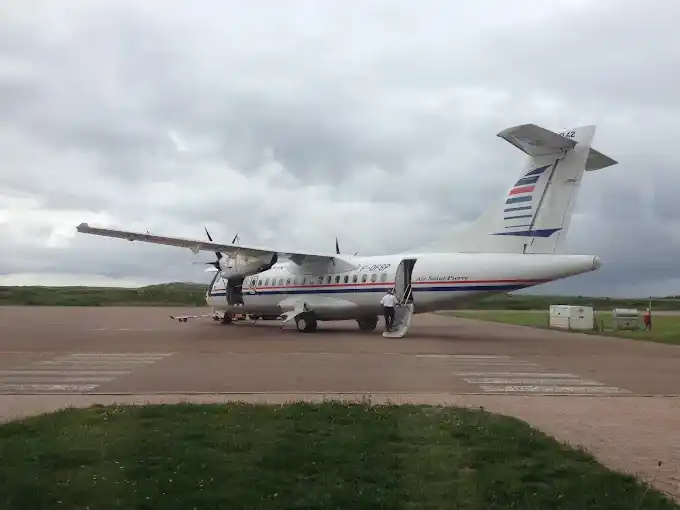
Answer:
(402, 281)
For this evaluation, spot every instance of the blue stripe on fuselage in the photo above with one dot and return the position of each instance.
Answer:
(416, 289)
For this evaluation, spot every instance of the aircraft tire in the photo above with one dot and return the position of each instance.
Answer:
(306, 324)
(368, 324)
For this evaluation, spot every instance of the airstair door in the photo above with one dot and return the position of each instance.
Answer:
(402, 281)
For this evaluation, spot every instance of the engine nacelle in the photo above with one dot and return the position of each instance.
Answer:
(240, 267)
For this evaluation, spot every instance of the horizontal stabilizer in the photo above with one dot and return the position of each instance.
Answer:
(596, 160)
(535, 140)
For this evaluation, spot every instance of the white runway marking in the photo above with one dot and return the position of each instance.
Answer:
(50, 388)
(503, 374)
(136, 330)
(513, 374)
(553, 389)
(74, 373)
(545, 381)
(463, 356)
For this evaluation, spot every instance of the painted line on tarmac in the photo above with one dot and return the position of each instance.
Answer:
(464, 356)
(514, 374)
(14, 379)
(538, 382)
(122, 354)
(133, 330)
(21, 371)
(48, 387)
(552, 389)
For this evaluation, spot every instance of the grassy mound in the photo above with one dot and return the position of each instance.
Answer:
(299, 456)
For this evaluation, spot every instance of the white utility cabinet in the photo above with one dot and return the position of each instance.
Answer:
(572, 317)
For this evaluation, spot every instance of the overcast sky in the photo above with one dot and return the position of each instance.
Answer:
(293, 122)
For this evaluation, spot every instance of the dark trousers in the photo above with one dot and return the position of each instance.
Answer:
(388, 312)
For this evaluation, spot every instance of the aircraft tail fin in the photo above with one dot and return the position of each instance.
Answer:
(535, 213)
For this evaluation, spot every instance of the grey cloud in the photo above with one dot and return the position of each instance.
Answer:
(288, 113)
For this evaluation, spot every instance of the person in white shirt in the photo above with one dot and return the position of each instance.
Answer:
(388, 302)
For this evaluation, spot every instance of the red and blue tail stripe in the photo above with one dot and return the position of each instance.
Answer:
(519, 209)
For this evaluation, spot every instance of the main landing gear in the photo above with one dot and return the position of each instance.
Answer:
(306, 323)
(229, 317)
(368, 323)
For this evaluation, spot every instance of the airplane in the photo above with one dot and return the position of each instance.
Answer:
(517, 243)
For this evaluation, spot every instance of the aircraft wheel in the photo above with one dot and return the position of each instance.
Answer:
(368, 324)
(226, 319)
(306, 324)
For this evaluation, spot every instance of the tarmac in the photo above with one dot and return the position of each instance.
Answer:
(615, 397)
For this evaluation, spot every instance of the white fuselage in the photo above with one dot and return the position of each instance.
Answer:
(431, 281)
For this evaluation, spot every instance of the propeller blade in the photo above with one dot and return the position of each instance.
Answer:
(235, 238)
(217, 253)
(337, 247)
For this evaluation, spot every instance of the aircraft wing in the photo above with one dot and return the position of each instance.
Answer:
(195, 245)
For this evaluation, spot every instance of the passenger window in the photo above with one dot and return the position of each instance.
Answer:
(355, 278)
(304, 280)
(374, 277)
(383, 277)
(328, 280)
(259, 283)
(280, 281)
(364, 277)
(266, 282)
(346, 278)
(288, 281)
(337, 279)
(294, 281)
(320, 280)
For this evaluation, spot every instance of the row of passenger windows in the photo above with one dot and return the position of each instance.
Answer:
(312, 280)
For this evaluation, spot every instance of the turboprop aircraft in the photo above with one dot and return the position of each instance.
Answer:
(515, 244)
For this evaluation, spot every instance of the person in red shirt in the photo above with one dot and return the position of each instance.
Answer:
(647, 318)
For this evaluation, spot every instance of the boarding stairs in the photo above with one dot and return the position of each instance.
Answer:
(402, 316)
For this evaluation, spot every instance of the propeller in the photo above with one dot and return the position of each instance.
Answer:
(337, 247)
(217, 253)
(216, 263)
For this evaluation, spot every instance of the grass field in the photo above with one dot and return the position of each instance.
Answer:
(193, 294)
(169, 294)
(300, 456)
(666, 329)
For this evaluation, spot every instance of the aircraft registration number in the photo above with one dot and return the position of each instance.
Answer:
(568, 134)
(375, 267)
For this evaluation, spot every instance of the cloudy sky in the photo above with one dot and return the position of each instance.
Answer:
(293, 122)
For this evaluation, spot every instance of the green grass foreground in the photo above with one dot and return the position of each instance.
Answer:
(666, 328)
(328, 455)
